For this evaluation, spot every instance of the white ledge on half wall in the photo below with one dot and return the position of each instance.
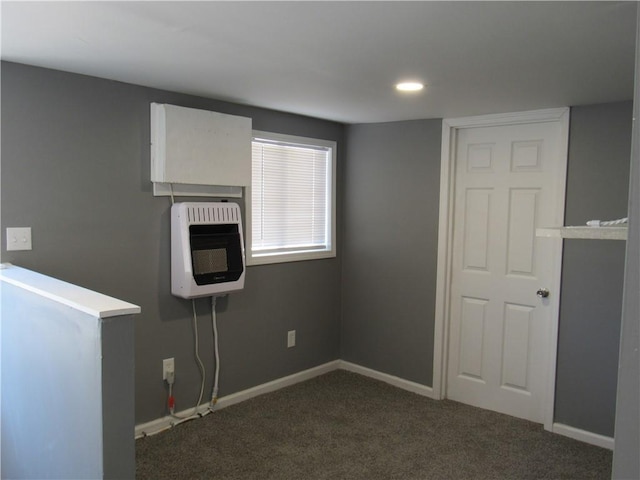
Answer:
(594, 233)
(78, 298)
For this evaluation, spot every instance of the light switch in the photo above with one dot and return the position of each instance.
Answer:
(19, 238)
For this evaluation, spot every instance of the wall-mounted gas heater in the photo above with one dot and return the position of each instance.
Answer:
(207, 249)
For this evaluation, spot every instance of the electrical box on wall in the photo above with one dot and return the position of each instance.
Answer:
(199, 147)
(207, 249)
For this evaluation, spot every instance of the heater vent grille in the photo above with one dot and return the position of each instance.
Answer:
(213, 214)
(210, 261)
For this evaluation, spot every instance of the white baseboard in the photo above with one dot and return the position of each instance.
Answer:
(277, 384)
(390, 379)
(583, 435)
(164, 423)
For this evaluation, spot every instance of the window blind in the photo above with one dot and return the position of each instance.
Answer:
(291, 193)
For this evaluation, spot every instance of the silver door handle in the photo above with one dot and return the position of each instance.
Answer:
(543, 292)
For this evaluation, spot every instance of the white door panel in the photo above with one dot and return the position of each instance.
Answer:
(506, 185)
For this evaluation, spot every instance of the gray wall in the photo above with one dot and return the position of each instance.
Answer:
(390, 247)
(118, 397)
(75, 168)
(592, 274)
(626, 461)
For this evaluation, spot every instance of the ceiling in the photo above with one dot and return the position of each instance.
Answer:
(340, 60)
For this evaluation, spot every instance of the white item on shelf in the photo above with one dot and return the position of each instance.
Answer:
(607, 223)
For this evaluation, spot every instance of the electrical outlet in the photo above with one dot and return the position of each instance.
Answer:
(168, 367)
(291, 338)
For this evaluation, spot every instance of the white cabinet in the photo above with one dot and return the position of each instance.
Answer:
(199, 147)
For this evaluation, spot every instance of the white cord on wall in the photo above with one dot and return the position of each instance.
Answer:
(214, 328)
(200, 365)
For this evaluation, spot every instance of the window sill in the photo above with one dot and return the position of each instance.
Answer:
(289, 257)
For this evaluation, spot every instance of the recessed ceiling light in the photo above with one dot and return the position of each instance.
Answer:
(409, 86)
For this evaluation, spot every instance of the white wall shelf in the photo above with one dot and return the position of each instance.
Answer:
(593, 233)
(184, 190)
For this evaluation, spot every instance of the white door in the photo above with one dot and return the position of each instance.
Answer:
(509, 180)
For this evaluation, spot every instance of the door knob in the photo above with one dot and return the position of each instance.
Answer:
(543, 292)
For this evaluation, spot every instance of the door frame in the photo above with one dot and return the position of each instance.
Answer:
(450, 127)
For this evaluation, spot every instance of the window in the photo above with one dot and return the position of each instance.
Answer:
(292, 199)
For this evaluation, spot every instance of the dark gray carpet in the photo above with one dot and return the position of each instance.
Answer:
(346, 426)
